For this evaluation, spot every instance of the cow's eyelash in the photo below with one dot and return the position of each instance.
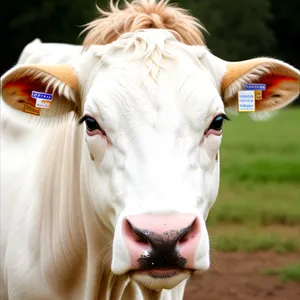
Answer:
(82, 119)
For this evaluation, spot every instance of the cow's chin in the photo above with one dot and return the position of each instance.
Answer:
(161, 279)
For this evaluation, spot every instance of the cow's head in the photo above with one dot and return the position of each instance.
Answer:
(153, 110)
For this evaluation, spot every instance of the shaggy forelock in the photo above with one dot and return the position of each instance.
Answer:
(151, 50)
(143, 14)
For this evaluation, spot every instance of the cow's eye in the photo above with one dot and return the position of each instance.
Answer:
(91, 124)
(217, 122)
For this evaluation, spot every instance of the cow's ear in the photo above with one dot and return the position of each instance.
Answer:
(281, 82)
(41, 90)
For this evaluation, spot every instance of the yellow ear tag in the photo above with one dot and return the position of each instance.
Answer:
(258, 95)
(28, 108)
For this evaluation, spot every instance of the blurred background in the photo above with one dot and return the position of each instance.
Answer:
(255, 224)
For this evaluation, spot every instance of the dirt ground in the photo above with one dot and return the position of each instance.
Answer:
(237, 276)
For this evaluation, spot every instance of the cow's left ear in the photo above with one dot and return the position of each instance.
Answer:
(44, 90)
(281, 81)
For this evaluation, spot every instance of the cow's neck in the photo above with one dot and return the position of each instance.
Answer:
(76, 247)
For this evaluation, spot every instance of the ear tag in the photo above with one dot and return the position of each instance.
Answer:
(43, 100)
(246, 101)
(257, 88)
(28, 108)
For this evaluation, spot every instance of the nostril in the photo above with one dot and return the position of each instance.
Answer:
(138, 237)
(184, 238)
(191, 232)
(135, 234)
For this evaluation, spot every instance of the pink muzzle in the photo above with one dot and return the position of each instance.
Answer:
(161, 242)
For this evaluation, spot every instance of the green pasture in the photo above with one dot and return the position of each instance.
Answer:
(287, 273)
(258, 207)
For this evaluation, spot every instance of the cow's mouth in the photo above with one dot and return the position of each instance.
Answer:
(163, 273)
(160, 273)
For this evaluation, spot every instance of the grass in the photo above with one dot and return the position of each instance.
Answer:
(287, 273)
(249, 240)
(263, 204)
(243, 243)
(260, 184)
(267, 151)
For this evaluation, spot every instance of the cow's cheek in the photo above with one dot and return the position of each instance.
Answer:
(212, 146)
(210, 152)
(97, 147)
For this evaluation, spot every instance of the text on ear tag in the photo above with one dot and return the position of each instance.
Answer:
(246, 101)
(43, 100)
(257, 88)
(28, 108)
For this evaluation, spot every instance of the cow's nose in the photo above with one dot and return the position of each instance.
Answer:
(162, 241)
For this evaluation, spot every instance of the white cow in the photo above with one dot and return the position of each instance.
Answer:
(105, 194)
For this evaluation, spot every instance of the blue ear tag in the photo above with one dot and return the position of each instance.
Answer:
(43, 100)
(257, 88)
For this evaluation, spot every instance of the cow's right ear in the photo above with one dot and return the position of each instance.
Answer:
(42, 90)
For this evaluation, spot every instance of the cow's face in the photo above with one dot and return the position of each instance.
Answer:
(153, 116)
(153, 144)
(153, 131)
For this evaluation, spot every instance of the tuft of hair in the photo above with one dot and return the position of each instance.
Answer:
(143, 14)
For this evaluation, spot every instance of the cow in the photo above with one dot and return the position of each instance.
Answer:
(110, 159)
